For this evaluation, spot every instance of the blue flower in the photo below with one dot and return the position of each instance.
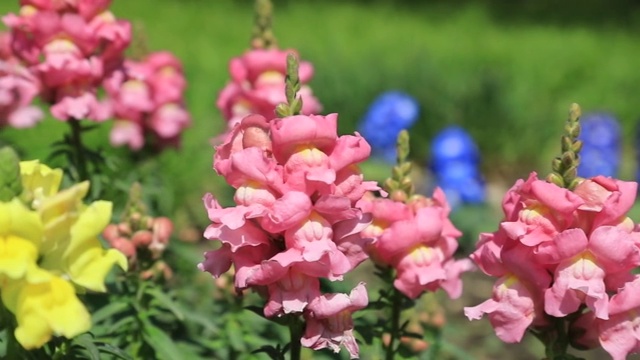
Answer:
(453, 144)
(600, 154)
(389, 114)
(455, 160)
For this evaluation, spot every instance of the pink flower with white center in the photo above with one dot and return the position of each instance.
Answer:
(257, 86)
(606, 202)
(558, 252)
(18, 88)
(511, 310)
(329, 322)
(418, 240)
(291, 293)
(295, 220)
(583, 265)
(71, 46)
(542, 210)
(149, 94)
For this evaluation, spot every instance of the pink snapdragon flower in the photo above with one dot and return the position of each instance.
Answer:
(147, 100)
(329, 322)
(18, 88)
(418, 240)
(556, 252)
(618, 334)
(295, 220)
(257, 86)
(70, 46)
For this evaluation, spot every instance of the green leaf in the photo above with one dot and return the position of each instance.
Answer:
(105, 348)
(109, 311)
(118, 325)
(234, 332)
(85, 344)
(166, 301)
(163, 344)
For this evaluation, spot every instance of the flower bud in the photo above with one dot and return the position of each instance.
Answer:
(110, 232)
(142, 238)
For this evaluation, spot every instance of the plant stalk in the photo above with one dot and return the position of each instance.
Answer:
(79, 159)
(396, 304)
(295, 331)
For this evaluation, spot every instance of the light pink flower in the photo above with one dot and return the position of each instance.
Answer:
(329, 322)
(511, 310)
(563, 250)
(419, 241)
(583, 265)
(70, 46)
(18, 88)
(257, 86)
(149, 94)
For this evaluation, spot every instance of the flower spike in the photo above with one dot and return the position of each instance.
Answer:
(263, 37)
(565, 167)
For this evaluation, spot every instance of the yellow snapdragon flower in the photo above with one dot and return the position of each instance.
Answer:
(49, 247)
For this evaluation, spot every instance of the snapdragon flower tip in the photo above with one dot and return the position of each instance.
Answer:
(389, 114)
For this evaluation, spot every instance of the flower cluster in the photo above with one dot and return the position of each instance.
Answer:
(48, 250)
(18, 88)
(454, 161)
(564, 254)
(139, 233)
(70, 47)
(418, 240)
(295, 219)
(257, 86)
(147, 100)
(389, 114)
(601, 146)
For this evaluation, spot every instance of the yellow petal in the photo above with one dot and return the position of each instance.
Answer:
(89, 267)
(86, 262)
(59, 213)
(46, 309)
(16, 219)
(39, 181)
(16, 255)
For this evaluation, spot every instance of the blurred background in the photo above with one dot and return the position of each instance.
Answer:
(505, 71)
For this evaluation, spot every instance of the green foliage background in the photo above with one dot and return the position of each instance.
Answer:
(505, 71)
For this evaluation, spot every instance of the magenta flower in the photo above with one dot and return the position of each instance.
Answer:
(257, 86)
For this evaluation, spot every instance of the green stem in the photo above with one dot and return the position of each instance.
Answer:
(295, 330)
(79, 159)
(557, 344)
(396, 304)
